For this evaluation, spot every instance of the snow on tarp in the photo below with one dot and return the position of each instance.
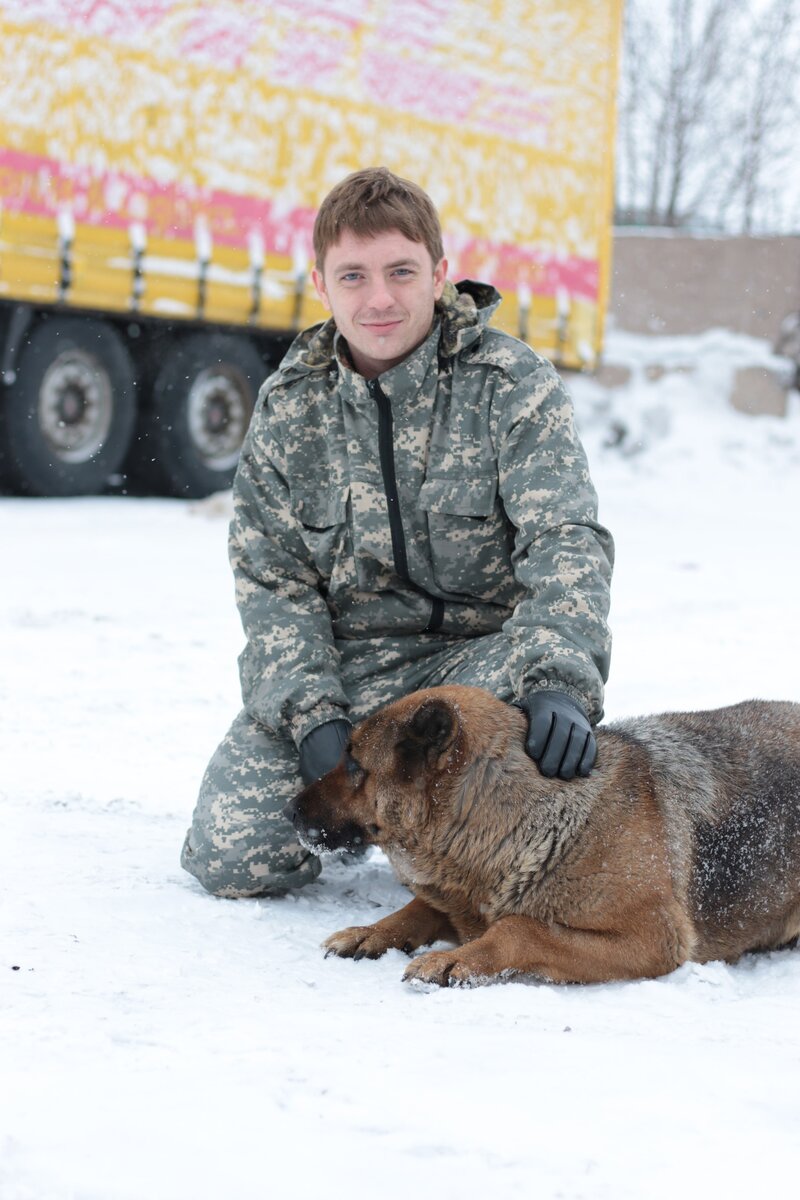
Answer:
(154, 110)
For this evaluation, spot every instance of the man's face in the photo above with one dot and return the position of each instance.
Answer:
(381, 292)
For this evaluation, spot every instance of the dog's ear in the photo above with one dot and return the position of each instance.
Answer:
(428, 735)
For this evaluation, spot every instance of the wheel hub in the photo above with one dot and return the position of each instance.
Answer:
(217, 416)
(75, 406)
(218, 412)
(72, 406)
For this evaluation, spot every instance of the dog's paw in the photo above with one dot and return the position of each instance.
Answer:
(443, 968)
(359, 941)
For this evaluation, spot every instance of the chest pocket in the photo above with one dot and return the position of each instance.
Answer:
(469, 536)
(323, 517)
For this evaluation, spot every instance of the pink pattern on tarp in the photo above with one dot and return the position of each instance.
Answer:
(541, 272)
(306, 60)
(114, 200)
(514, 113)
(425, 89)
(430, 91)
(218, 38)
(420, 23)
(344, 14)
(100, 18)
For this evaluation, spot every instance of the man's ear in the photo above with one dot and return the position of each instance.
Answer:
(427, 736)
(439, 278)
(319, 284)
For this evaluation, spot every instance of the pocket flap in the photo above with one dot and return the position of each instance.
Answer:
(460, 497)
(320, 509)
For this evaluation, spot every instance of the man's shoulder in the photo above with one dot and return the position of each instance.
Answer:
(304, 373)
(507, 354)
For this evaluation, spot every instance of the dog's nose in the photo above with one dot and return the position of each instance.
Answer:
(290, 812)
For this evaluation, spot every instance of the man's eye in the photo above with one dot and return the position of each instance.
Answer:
(403, 271)
(349, 277)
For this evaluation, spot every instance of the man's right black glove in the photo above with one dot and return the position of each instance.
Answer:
(560, 739)
(321, 749)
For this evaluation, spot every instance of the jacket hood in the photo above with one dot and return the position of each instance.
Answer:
(464, 311)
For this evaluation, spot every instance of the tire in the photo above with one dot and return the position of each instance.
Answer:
(190, 434)
(67, 420)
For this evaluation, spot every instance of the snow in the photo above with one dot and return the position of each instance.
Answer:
(159, 1043)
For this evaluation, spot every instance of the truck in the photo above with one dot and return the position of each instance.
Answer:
(161, 164)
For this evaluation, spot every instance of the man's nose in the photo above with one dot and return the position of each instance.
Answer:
(380, 296)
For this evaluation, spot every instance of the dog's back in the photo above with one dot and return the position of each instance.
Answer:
(728, 785)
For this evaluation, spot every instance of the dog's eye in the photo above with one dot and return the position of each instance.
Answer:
(355, 771)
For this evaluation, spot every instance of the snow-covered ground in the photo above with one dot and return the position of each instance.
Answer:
(159, 1044)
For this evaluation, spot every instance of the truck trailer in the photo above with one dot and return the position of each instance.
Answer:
(161, 164)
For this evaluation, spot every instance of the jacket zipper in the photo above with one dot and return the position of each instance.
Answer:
(386, 455)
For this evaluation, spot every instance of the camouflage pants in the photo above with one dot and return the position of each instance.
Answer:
(239, 843)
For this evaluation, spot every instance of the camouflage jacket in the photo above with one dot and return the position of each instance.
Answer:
(450, 495)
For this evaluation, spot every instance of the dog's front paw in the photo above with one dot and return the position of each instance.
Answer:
(359, 941)
(444, 968)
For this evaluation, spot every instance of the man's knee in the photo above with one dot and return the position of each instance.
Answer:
(237, 872)
(239, 843)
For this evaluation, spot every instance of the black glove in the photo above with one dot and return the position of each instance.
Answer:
(321, 749)
(560, 739)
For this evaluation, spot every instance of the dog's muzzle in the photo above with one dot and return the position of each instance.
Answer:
(317, 835)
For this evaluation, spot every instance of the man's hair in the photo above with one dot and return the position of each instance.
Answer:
(375, 201)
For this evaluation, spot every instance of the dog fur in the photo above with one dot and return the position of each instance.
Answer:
(682, 844)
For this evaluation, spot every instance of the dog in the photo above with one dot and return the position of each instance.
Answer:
(683, 844)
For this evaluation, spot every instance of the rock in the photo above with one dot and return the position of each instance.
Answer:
(612, 375)
(759, 391)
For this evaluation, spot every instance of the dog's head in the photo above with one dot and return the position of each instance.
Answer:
(393, 774)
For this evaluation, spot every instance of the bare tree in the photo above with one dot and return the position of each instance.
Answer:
(708, 108)
(772, 116)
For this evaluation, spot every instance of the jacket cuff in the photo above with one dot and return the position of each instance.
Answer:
(557, 685)
(301, 723)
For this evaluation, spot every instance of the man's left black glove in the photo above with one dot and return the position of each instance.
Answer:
(321, 749)
(560, 739)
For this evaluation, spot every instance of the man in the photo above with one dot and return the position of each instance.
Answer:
(412, 507)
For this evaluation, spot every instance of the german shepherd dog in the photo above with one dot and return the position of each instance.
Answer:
(682, 844)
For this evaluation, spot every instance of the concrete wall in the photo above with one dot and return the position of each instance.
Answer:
(673, 284)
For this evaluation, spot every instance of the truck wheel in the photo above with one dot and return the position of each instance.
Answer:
(67, 419)
(191, 433)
